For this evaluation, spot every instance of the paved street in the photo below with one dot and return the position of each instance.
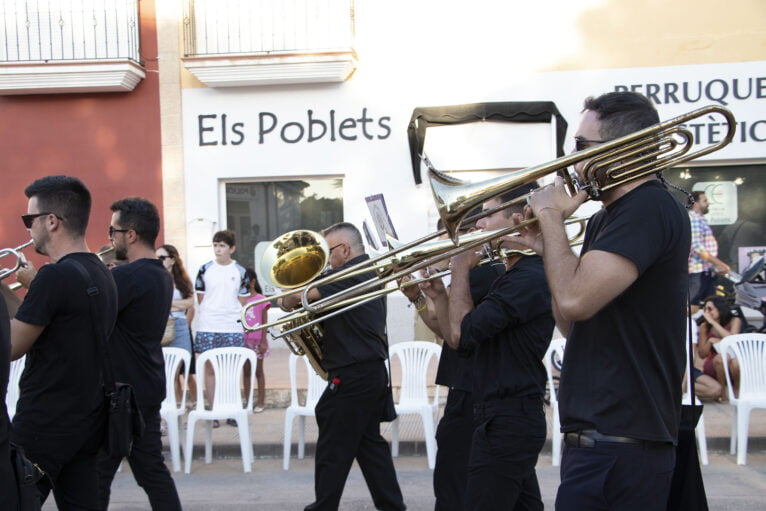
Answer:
(223, 485)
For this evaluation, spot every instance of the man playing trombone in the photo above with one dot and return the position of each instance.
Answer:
(358, 396)
(621, 304)
(507, 334)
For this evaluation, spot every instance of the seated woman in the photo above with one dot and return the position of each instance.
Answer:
(719, 323)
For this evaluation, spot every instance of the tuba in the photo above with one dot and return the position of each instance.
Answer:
(291, 261)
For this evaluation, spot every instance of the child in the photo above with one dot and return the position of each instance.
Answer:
(258, 340)
(221, 287)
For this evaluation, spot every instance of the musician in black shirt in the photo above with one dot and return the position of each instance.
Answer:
(455, 429)
(507, 333)
(622, 306)
(61, 410)
(145, 292)
(358, 396)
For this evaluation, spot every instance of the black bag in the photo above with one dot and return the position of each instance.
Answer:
(687, 489)
(124, 421)
(27, 475)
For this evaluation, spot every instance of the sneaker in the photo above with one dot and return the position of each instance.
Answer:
(258, 409)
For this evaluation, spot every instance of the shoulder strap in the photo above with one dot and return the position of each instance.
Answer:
(98, 333)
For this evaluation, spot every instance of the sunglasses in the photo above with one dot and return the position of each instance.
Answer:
(335, 246)
(583, 143)
(112, 230)
(30, 219)
(163, 257)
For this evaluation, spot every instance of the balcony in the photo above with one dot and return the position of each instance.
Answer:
(228, 43)
(69, 46)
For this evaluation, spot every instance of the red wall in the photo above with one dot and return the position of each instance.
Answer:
(111, 141)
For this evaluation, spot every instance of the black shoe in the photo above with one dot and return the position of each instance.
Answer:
(231, 422)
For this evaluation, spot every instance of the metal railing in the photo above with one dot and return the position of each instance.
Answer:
(242, 27)
(63, 30)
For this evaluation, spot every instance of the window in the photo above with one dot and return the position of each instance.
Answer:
(262, 211)
(737, 209)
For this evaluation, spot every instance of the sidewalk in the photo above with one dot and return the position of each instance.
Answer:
(267, 428)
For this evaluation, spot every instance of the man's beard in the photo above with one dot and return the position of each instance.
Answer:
(120, 252)
(41, 244)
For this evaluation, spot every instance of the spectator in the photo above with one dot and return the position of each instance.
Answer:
(257, 341)
(221, 287)
(61, 411)
(719, 322)
(703, 257)
(182, 309)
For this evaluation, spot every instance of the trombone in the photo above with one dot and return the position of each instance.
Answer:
(607, 166)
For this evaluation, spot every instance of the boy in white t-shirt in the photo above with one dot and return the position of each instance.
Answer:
(222, 290)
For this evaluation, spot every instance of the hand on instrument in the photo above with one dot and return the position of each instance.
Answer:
(433, 288)
(26, 273)
(530, 236)
(555, 197)
(411, 291)
(288, 303)
(465, 260)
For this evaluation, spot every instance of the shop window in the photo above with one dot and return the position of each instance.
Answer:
(737, 213)
(262, 211)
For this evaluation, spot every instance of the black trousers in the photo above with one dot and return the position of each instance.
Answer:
(348, 416)
(506, 444)
(616, 476)
(453, 438)
(146, 463)
(69, 459)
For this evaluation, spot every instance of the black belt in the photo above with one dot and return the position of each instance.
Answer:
(591, 437)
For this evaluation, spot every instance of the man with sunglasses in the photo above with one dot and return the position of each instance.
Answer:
(622, 306)
(358, 397)
(145, 293)
(61, 411)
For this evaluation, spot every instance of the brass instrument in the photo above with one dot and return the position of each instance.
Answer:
(20, 260)
(607, 166)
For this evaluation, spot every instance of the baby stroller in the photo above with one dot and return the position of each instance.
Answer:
(750, 291)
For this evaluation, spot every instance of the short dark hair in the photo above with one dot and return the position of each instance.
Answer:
(65, 196)
(140, 215)
(696, 194)
(225, 236)
(352, 234)
(622, 113)
(517, 192)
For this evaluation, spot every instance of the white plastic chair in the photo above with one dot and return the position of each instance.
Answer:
(227, 366)
(172, 410)
(12, 395)
(750, 352)
(555, 351)
(415, 357)
(316, 386)
(686, 399)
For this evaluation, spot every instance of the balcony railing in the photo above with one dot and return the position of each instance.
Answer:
(93, 45)
(232, 42)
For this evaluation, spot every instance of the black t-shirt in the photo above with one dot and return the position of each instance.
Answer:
(358, 335)
(454, 371)
(623, 367)
(145, 290)
(509, 332)
(61, 387)
(7, 482)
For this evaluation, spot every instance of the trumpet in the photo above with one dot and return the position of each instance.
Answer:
(5, 272)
